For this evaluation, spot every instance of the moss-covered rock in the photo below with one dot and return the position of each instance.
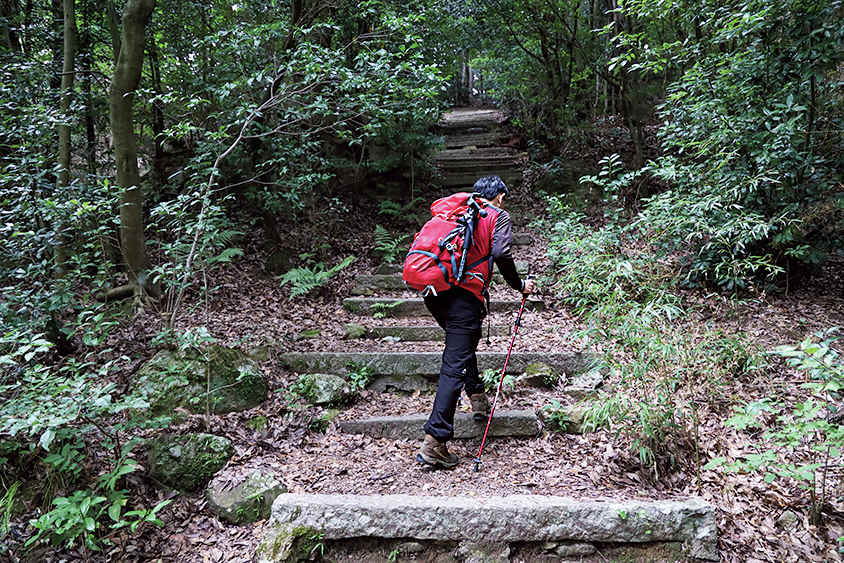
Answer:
(539, 374)
(258, 353)
(284, 543)
(187, 462)
(324, 388)
(248, 502)
(354, 331)
(174, 379)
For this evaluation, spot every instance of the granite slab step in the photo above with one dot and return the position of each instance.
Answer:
(427, 364)
(415, 307)
(689, 523)
(466, 179)
(504, 423)
(427, 333)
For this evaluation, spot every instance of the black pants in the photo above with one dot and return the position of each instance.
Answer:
(460, 313)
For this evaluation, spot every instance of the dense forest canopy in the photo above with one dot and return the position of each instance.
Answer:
(141, 141)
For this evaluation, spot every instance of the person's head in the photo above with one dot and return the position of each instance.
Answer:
(489, 187)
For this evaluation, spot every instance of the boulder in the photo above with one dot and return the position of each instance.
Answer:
(324, 388)
(248, 502)
(178, 378)
(258, 353)
(538, 374)
(354, 331)
(187, 462)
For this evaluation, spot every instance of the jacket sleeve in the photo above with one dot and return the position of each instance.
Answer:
(502, 241)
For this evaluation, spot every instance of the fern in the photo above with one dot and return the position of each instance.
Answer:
(307, 279)
(391, 246)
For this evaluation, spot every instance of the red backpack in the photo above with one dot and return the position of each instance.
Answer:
(453, 248)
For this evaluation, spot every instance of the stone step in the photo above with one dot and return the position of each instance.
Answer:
(689, 523)
(512, 177)
(385, 269)
(415, 307)
(504, 423)
(476, 166)
(481, 153)
(482, 138)
(421, 365)
(426, 333)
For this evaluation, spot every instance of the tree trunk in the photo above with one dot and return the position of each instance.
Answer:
(9, 40)
(113, 29)
(63, 241)
(127, 76)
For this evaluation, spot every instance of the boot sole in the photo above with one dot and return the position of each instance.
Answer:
(436, 463)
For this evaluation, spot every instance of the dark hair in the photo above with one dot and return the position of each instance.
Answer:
(490, 186)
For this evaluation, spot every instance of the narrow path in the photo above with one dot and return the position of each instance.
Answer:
(512, 500)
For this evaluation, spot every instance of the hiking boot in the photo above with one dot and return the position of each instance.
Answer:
(480, 406)
(435, 454)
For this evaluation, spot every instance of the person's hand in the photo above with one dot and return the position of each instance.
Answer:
(530, 287)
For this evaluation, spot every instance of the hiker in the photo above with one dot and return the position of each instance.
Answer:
(460, 311)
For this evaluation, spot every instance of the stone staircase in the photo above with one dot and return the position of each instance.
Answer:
(475, 146)
(400, 352)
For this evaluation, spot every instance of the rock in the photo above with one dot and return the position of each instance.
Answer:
(590, 379)
(174, 379)
(471, 552)
(538, 374)
(287, 544)
(258, 353)
(324, 388)
(250, 501)
(575, 550)
(354, 331)
(187, 462)
(410, 547)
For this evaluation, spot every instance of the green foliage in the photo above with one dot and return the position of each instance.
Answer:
(390, 246)
(71, 413)
(304, 280)
(801, 441)
(359, 375)
(381, 310)
(6, 505)
(491, 377)
(664, 367)
(754, 185)
(556, 416)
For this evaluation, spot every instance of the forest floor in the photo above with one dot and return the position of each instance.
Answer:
(758, 521)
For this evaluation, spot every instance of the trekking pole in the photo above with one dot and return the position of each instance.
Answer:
(500, 381)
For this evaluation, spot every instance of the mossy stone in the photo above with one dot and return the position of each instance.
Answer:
(248, 502)
(284, 543)
(187, 462)
(174, 379)
(324, 388)
(354, 331)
